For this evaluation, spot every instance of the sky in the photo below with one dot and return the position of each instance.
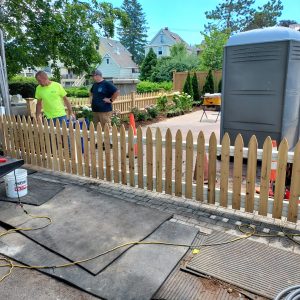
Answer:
(187, 18)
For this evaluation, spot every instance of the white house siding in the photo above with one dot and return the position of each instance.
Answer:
(111, 70)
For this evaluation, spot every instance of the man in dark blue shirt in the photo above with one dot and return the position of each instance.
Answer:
(103, 94)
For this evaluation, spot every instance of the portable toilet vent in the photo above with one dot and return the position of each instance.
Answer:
(261, 85)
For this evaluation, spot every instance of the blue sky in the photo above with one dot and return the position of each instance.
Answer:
(187, 17)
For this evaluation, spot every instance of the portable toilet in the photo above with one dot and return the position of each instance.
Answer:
(261, 85)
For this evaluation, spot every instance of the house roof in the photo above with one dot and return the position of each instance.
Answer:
(117, 52)
(172, 35)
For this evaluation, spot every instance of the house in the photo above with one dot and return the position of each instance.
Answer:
(117, 61)
(117, 66)
(163, 41)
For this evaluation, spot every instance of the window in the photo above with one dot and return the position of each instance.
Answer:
(159, 51)
(107, 61)
(161, 38)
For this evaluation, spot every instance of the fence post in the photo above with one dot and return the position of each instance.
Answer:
(132, 100)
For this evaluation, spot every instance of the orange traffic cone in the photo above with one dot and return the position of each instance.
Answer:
(273, 170)
(132, 124)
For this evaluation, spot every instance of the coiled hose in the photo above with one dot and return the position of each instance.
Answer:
(290, 293)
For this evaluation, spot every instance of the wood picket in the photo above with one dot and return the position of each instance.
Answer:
(80, 151)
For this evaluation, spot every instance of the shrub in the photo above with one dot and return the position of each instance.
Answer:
(209, 84)
(148, 86)
(220, 86)
(77, 92)
(166, 85)
(195, 86)
(142, 115)
(152, 111)
(125, 119)
(183, 101)
(83, 112)
(188, 88)
(162, 103)
(135, 112)
(116, 118)
(174, 111)
(25, 86)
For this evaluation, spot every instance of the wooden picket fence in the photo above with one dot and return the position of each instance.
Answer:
(162, 164)
(125, 103)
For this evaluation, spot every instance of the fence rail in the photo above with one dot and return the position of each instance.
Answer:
(162, 164)
(125, 103)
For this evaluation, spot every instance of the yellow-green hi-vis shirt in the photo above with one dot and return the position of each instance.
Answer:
(52, 99)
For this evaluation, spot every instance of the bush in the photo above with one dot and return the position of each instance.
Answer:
(220, 86)
(25, 86)
(77, 92)
(152, 111)
(162, 103)
(209, 84)
(188, 87)
(83, 112)
(142, 115)
(116, 118)
(183, 101)
(195, 87)
(148, 86)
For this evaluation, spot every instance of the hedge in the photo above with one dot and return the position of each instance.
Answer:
(148, 86)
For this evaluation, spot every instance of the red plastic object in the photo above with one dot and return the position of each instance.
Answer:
(2, 160)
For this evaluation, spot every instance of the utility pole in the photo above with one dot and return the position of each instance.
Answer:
(4, 92)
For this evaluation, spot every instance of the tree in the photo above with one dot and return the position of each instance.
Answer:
(148, 65)
(180, 60)
(232, 15)
(209, 84)
(134, 36)
(195, 86)
(60, 31)
(286, 23)
(239, 15)
(187, 87)
(213, 47)
(266, 15)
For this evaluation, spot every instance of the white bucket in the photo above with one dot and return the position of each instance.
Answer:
(11, 185)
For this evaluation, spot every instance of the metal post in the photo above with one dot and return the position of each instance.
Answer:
(3, 77)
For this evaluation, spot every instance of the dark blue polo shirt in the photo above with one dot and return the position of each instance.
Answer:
(101, 90)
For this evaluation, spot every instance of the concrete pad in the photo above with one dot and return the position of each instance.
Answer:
(86, 223)
(137, 274)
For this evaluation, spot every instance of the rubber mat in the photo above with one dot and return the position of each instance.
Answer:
(85, 223)
(29, 172)
(137, 274)
(253, 266)
(39, 192)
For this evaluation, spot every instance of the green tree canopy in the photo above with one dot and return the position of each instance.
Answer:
(241, 15)
(148, 65)
(233, 15)
(180, 60)
(286, 23)
(60, 31)
(134, 36)
(266, 15)
(211, 58)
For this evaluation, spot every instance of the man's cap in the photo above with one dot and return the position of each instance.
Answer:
(96, 72)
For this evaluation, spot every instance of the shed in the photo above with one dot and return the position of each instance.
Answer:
(261, 85)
